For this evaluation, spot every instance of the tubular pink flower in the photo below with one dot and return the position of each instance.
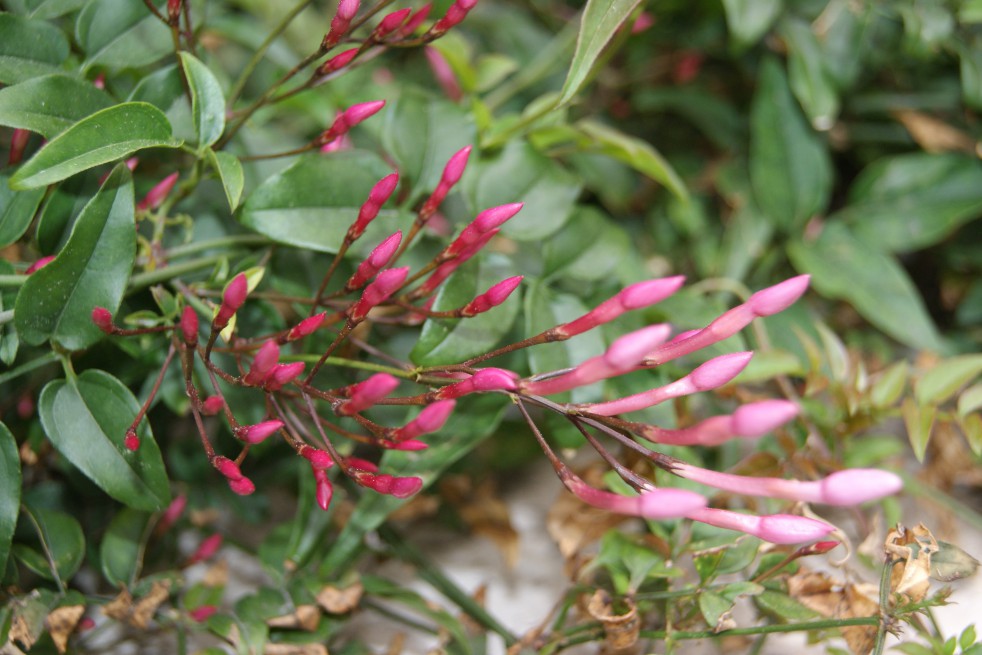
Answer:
(212, 405)
(206, 549)
(233, 298)
(376, 198)
(348, 119)
(443, 73)
(635, 296)
(493, 297)
(757, 419)
(39, 264)
(414, 21)
(367, 393)
(486, 379)
(454, 16)
(484, 223)
(158, 193)
(384, 285)
(444, 270)
(242, 486)
(451, 175)
(306, 327)
(259, 432)
(227, 467)
(324, 490)
(651, 504)
(103, 320)
(763, 303)
(849, 487)
(749, 421)
(282, 375)
(337, 62)
(378, 258)
(775, 528)
(265, 359)
(430, 419)
(714, 373)
(390, 23)
(347, 9)
(189, 326)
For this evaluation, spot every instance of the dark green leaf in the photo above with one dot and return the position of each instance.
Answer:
(29, 48)
(86, 419)
(121, 34)
(784, 607)
(589, 247)
(17, 209)
(449, 341)
(45, 9)
(9, 492)
(121, 550)
(808, 76)
(229, 170)
(749, 20)
(100, 138)
(790, 171)
(207, 101)
(545, 309)
(51, 104)
(971, 76)
(313, 202)
(164, 89)
(842, 267)
(61, 539)
(601, 21)
(888, 388)
(948, 376)
(91, 271)
(912, 201)
(521, 174)
(952, 563)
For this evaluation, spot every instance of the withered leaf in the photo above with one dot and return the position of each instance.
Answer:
(952, 563)
(340, 601)
(306, 617)
(61, 623)
(933, 134)
(295, 649)
(119, 607)
(914, 547)
(621, 623)
(145, 608)
(837, 599)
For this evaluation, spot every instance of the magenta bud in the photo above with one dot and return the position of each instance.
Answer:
(172, 513)
(384, 285)
(391, 23)
(158, 193)
(416, 20)
(227, 467)
(283, 374)
(319, 459)
(232, 298)
(262, 363)
(443, 73)
(324, 491)
(493, 297)
(405, 487)
(778, 297)
(212, 405)
(367, 393)
(103, 319)
(347, 9)
(357, 113)
(189, 326)
(719, 370)
(206, 549)
(494, 217)
(131, 441)
(18, 143)
(356, 464)
(383, 189)
(430, 419)
(455, 14)
(242, 486)
(39, 264)
(306, 327)
(337, 62)
(644, 294)
(454, 169)
(203, 613)
(855, 486)
(757, 419)
(258, 432)
(378, 258)
(495, 379)
(369, 210)
(409, 445)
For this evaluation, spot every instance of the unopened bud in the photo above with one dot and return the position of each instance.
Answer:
(212, 405)
(306, 327)
(158, 193)
(233, 297)
(390, 23)
(378, 258)
(189, 326)
(349, 118)
(259, 432)
(719, 370)
(757, 419)
(131, 441)
(282, 374)
(242, 486)
(778, 297)
(323, 491)
(486, 222)
(493, 297)
(337, 62)
(382, 287)
(206, 549)
(451, 175)
(367, 393)
(414, 21)
(227, 467)
(266, 358)
(319, 459)
(203, 613)
(39, 264)
(103, 320)
(430, 419)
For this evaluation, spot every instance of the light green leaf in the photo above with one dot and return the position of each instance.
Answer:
(121, 550)
(121, 34)
(790, 171)
(919, 420)
(890, 385)
(29, 48)
(749, 20)
(91, 271)
(46, 9)
(713, 607)
(51, 104)
(970, 400)
(808, 76)
(207, 101)
(100, 138)
(948, 376)
(229, 170)
(601, 21)
(10, 479)
(783, 606)
(86, 419)
(17, 209)
(589, 247)
(61, 538)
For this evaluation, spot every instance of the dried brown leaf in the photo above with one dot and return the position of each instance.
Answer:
(621, 624)
(145, 608)
(306, 617)
(61, 624)
(934, 135)
(216, 575)
(911, 549)
(119, 607)
(837, 599)
(295, 649)
(573, 524)
(340, 601)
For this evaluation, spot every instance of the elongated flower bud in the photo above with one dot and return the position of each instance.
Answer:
(189, 326)
(158, 194)
(259, 432)
(171, 514)
(266, 358)
(390, 23)
(378, 258)
(484, 223)
(319, 459)
(749, 421)
(212, 405)
(39, 264)
(376, 198)
(242, 486)
(493, 297)
(430, 419)
(775, 528)
(651, 504)
(451, 175)
(486, 379)
(337, 62)
(282, 374)
(635, 296)
(323, 490)
(233, 298)
(365, 394)
(414, 21)
(444, 270)
(103, 320)
(227, 467)
(206, 549)
(18, 143)
(347, 9)
(443, 73)
(454, 16)
(383, 483)
(382, 287)
(202, 613)
(348, 119)
(306, 327)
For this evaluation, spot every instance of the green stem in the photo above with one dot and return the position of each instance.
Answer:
(766, 629)
(27, 367)
(12, 280)
(881, 631)
(353, 363)
(6, 316)
(169, 272)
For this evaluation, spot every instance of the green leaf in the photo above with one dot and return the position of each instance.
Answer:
(890, 385)
(86, 419)
(229, 170)
(970, 60)
(17, 209)
(450, 341)
(970, 400)
(790, 171)
(749, 20)
(164, 89)
(947, 377)
(919, 421)
(521, 174)
(545, 309)
(51, 104)
(207, 100)
(313, 202)
(784, 607)
(100, 138)
(590, 247)
(121, 550)
(91, 271)
(9, 492)
(121, 34)
(29, 48)
(952, 563)
(45, 9)
(61, 538)
(634, 152)
(844, 268)
(912, 201)
(713, 607)
(601, 21)
(808, 76)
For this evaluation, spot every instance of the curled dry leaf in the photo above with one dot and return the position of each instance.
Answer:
(619, 618)
(216, 575)
(340, 601)
(306, 617)
(61, 623)
(295, 649)
(840, 600)
(484, 513)
(119, 608)
(122, 607)
(574, 525)
(934, 135)
(910, 550)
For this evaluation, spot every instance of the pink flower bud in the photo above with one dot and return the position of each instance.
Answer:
(265, 359)
(227, 467)
(443, 73)
(306, 327)
(131, 441)
(415, 20)
(651, 504)
(282, 375)
(337, 62)
(454, 16)
(719, 370)
(390, 23)
(444, 270)
(158, 193)
(356, 464)
(409, 445)
(635, 296)
(757, 419)
(486, 222)
(486, 379)
(818, 548)
(493, 297)
(242, 486)
(319, 459)
(203, 613)
(323, 491)
(349, 118)
(627, 351)
(406, 486)
(384, 285)
(347, 9)
(855, 486)
(778, 297)
(378, 258)
(172, 513)
(775, 528)
(206, 549)
(39, 264)
(259, 432)
(189, 326)
(376, 198)
(451, 175)
(430, 419)
(367, 393)
(644, 21)
(233, 297)
(212, 405)
(103, 320)
(18, 143)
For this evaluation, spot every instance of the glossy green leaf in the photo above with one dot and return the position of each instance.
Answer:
(91, 271)
(230, 172)
(971, 76)
(51, 104)
(121, 550)
(61, 539)
(121, 34)
(207, 100)
(749, 20)
(808, 76)
(790, 171)
(589, 247)
(518, 173)
(86, 419)
(313, 202)
(601, 21)
(164, 89)
(947, 377)
(17, 209)
(9, 491)
(448, 341)
(844, 268)
(45, 9)
(912, 201)
(971, 427)
(100, 138)
(29, 48)
(919, 421)
(636, 153)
